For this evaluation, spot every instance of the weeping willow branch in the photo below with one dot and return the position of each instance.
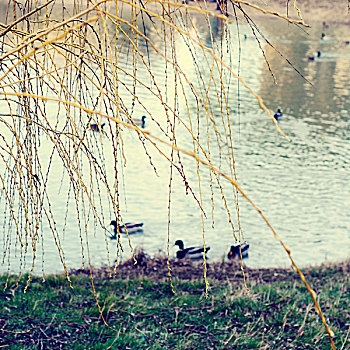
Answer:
(64, 78)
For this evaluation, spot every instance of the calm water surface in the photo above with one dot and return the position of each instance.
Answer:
(302, 186)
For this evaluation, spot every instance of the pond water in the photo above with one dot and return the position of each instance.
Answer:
(301, 185)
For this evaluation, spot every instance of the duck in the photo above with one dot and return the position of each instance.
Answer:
(278, 114)
(326, 37)
(127, 227)
(97, 127)
(139, 122)
(312, 58)
(192, 252)
(234, 250)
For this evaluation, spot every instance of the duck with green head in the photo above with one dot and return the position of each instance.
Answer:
(191, 252)
(124, 228)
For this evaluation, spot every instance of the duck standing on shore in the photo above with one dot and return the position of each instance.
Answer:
(236, 249)
(192, 252)
(127, 227)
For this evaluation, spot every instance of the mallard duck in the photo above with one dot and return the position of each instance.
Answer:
(278, 114)
(192, 252)
(140, 122)
(234, 250)
(126, 227)
(325, 37)
(312, 58)
(97, 127)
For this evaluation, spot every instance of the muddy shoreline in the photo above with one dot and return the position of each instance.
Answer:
(156, 268)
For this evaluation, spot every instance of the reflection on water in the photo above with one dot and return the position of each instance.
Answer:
(305, 180)
(301, 186)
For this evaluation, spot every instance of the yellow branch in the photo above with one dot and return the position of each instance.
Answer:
(301, 22)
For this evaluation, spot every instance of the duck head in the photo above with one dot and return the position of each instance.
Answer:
(233, 252)
(114, 223)
(180, 244)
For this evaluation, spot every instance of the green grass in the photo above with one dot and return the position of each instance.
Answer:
(145, 314)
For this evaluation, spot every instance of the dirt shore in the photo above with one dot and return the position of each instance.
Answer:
(144, 313)
(156, 268)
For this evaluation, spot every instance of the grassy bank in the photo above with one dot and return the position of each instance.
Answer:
(143, 313)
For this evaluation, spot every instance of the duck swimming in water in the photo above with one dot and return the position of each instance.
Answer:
(140, 122)
(278, 114)
(192, 252)
(126, 227)
(234, 251)
(325, 37)
(312, 58)
(97, 127)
